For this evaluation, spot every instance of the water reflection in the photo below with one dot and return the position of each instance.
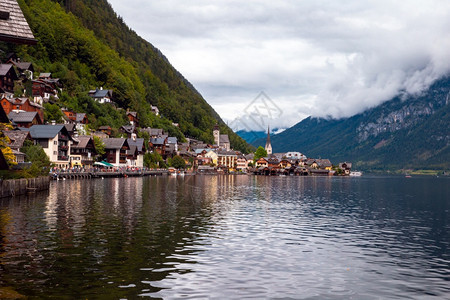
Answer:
(229, 237)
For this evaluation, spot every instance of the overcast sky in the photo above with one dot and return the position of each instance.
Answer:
(310, 57)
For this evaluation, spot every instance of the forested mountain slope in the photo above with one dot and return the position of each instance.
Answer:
(87, 45)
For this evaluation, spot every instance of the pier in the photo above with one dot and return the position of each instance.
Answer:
(106, 174)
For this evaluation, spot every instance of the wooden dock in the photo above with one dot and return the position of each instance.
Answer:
(108, 174)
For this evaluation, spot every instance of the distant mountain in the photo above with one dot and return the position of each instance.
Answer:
(251, 136)
(405, 132)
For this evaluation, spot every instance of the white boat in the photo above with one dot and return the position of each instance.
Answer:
(355, 173)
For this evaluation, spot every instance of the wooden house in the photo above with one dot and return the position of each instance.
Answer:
(7, 77)
(82, 151)
(158, 145)
(24, 118)
(106, 130)
(21, 104)
(116, 151)
(346, 167)
(101, 96)
(133, 118)
(262, 162)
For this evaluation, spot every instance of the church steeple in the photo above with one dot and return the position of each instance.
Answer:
(268, 145)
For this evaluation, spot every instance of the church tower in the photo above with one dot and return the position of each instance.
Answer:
(268, 145)
(216, 134)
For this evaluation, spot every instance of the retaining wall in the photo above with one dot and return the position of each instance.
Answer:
(16, 187)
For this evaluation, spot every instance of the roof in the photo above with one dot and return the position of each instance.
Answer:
(17, 138)
(114, 143)
(45, 131)
(133, 113)
(153, 131)
(80, 117)
(133, 149)
(4, 69)
(172, 140)
(82, 142)
(24, 65)
(101, 93)
(45, 75)
(223, 138)
(157, 141)
(139, 143)
(128, 128)
(21, 101)
(229, 153)
(13, 26)
(22, 116)
(70, 127)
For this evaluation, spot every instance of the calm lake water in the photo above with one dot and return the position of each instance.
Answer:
(229, 237)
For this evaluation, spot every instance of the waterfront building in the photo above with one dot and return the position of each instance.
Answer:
(262, 162)
(116, 151)
(82, 152)
(135, 155)
(213, 155)
(241, 163)
(55, 140)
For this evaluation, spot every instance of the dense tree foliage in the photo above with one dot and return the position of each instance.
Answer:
(4, 142)
(92, 47)
(260, 152)
(99, 146)
(178, 162)
(154, 160)
(40, 161)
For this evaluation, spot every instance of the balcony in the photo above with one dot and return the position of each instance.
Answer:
(63, 137)
(62, 157)
(63, 147)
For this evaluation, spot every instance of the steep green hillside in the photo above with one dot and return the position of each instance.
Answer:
(401, 133)
(87, 45)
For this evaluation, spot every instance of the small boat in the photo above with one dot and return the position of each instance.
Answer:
(355, 173)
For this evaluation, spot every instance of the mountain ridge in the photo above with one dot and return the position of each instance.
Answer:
(404, 132)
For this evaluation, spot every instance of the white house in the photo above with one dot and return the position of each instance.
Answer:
(55, 140)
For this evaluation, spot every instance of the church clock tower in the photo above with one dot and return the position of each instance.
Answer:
(268, 145)
(216, 134)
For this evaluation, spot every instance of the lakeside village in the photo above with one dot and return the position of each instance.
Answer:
(71, 145)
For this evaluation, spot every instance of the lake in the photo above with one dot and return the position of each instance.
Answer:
(229, 237)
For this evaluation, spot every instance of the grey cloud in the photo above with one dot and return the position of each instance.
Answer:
(317, 57)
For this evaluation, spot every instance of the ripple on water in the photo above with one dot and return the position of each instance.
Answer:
(231, 237)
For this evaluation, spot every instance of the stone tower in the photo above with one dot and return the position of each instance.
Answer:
(216, 134)
(268, 145)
